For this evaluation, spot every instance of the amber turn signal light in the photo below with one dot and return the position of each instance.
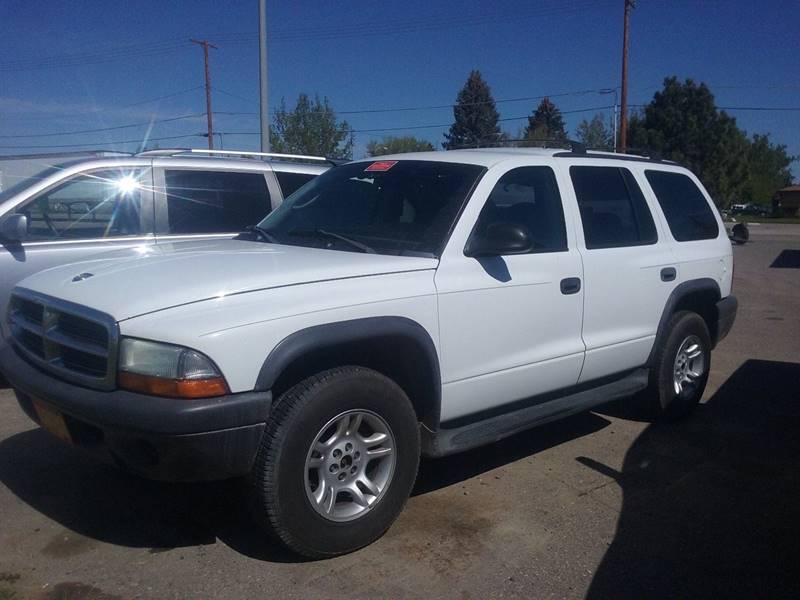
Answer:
(172, 388)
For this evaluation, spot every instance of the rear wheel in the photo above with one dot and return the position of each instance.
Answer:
(680, 370)
(337, 462)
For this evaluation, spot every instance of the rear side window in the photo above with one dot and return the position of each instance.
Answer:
(614, 212)
(528, 197)
(215, 201)
(292, 181)
(688, 214)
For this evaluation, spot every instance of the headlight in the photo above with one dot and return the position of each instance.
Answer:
(167, 370)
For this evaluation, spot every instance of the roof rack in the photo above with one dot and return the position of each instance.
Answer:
(239, 153)
(75, 153)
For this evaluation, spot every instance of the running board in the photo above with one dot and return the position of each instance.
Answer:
(458, 439)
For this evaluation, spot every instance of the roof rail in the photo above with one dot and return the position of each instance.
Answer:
(240, 153)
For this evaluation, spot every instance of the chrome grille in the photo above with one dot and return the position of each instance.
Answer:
(69, 340)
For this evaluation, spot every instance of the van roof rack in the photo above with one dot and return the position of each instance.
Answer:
(240, 153)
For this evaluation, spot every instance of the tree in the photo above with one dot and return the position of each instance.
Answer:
(397, 145)
(311, 128)
(595, 134)
(682, 123)
(769, 170)
(475, 114)
(546, 123)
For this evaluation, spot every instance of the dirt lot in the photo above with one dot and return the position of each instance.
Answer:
(600, 505)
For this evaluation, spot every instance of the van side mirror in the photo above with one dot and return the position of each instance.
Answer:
(499, 239)
(13, 228)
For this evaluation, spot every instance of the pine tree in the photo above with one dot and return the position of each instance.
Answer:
(546, 123)
(475, 116)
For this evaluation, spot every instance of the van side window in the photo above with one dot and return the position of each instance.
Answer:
(687, 211)
(528, 197)
(614, 212)
(97, 204)
(215, 201)
(290, 182)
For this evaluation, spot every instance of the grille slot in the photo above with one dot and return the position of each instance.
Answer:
(71, 341)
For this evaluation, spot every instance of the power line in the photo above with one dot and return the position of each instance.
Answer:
(119, 142)
(102, 129)
(431, 107)
(106, 54)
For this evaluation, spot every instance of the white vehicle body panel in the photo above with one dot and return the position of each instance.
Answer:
(502, 328)
(531, 344)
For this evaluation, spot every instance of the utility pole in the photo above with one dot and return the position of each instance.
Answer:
(262, 64)
(623, 109)
(206, 45)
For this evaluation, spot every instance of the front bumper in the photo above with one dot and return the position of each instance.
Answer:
(726, 315)
(160, 438)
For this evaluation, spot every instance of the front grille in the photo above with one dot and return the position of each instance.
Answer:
(71, 341)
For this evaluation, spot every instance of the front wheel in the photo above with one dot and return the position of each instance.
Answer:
(680, 368)
(337, 462)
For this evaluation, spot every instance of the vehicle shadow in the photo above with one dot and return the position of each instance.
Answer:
(99, 501)
(711, 505)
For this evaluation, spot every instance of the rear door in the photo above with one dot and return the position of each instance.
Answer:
(510, 326)
(629, 266)
(202, 203)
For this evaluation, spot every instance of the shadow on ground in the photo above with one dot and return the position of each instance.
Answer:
(711, 506)
(100, 502)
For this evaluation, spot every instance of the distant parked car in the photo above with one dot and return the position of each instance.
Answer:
(750, 209)
(81, 206)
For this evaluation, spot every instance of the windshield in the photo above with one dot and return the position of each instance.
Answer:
(403, 207)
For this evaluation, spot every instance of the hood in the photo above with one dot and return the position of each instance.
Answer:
(128, 283)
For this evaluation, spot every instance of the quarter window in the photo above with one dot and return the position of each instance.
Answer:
(687, 211)
(613, 210)
(292, 181)
(528, 197)
(100, 204)
(215, 201)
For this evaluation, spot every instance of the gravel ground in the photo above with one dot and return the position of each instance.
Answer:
(599, 505)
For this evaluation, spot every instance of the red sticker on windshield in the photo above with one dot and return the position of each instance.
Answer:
(381, 165)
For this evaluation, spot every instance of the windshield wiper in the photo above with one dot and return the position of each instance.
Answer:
(262, 233)
(336, 236)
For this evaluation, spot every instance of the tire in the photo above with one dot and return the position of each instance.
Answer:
(662, 399)
(291, 479)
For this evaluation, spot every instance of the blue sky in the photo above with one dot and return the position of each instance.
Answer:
(97, 63)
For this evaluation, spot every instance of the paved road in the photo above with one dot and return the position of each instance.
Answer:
(600, 505)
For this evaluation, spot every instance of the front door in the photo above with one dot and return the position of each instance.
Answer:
(90, 213)
(510, 326)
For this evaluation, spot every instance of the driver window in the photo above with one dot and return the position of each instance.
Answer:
(528, 197)
(100, 204)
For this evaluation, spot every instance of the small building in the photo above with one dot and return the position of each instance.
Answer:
(786, 202)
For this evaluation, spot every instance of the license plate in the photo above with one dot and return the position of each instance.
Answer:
(52, 421)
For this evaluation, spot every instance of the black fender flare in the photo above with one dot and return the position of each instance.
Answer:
(373, 332)
(681, 291)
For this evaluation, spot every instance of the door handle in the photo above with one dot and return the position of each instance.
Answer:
(668, 274)
(570, 285)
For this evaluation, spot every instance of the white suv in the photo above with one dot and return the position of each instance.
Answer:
(420, 303)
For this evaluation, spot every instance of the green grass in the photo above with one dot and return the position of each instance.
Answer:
(765, 220)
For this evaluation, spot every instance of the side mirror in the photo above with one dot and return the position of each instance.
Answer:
(14, 227)
(499, 239)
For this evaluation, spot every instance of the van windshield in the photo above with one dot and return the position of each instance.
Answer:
(16, 176)
(404, 207)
